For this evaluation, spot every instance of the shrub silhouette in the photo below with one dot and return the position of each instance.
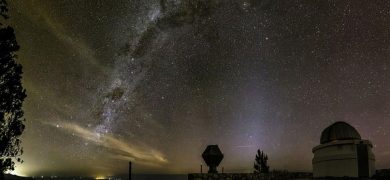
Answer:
(260, 164)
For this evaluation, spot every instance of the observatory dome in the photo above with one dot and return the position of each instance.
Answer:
(339, 131)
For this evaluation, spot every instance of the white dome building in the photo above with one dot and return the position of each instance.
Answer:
(342, 153)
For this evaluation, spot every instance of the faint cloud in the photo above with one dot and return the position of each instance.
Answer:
(40, 14)
(120, 149)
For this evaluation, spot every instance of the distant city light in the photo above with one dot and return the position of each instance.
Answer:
(100, 177)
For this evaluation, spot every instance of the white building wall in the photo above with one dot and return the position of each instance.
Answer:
(336, 168)
(371, 161)
(339, 159)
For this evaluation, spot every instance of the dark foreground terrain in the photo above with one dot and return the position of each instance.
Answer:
(381, 175)
(124, 177)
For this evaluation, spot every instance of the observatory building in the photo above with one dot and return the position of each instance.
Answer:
(342, 153)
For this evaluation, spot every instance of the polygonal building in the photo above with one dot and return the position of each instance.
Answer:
(342, 153)
(212, 155)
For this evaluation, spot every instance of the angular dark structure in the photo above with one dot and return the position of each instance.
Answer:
(212, 155)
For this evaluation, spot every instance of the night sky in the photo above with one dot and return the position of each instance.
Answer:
(155, 82)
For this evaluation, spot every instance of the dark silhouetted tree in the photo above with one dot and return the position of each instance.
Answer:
(260, 164)
(12, 95)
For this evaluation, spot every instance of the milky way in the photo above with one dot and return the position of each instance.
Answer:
(155, 82)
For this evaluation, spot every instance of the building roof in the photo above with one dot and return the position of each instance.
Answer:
(339, 131)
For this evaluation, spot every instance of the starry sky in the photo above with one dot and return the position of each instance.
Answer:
(155, 82)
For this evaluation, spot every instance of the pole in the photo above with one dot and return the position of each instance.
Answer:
(129, 170)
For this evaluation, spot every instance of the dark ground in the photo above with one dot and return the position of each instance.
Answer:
(124, 177)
